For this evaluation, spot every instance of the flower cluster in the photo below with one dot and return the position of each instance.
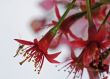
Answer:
(92, 22)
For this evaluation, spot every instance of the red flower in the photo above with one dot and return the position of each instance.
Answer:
(36, 51)
(73, 65)
(92, 47)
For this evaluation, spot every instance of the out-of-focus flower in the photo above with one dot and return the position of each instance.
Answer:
(48, 4)
(37, 50)
(65, 29)
(99, 13)
(38, 24)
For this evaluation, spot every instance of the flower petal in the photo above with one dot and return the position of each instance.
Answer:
(38, 24)
(105, 44)
(57, 11)
(78, 43)
(24, 42)
(47, 4)
(51, 57)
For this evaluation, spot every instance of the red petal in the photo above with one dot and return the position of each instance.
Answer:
(51, 57)
(73, 35)
(78, 43)
(53, 61)
(57, 11)
(100, 36)
(87, 57)
(24, 42)
(105, 44)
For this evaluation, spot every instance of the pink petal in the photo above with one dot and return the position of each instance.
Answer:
(24, 42)
(48, 4)
(100, 36)
(38, 24)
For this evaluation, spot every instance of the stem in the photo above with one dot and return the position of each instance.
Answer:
(106, 17)
(55, 29)
(89, 15)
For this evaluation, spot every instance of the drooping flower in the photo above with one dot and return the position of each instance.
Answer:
(93, 47)
(37, 50)
(74, 66)
(67, 24)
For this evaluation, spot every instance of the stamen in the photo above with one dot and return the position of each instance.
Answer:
(63, 67)
(17, 52)
(23, 61)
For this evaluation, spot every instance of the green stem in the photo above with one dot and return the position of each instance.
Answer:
(89, 13)
(106, 17)
(57, 27)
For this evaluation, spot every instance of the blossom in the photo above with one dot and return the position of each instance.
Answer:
(37, 50)
(73, 65)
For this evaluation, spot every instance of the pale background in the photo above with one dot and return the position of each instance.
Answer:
(15, 17)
